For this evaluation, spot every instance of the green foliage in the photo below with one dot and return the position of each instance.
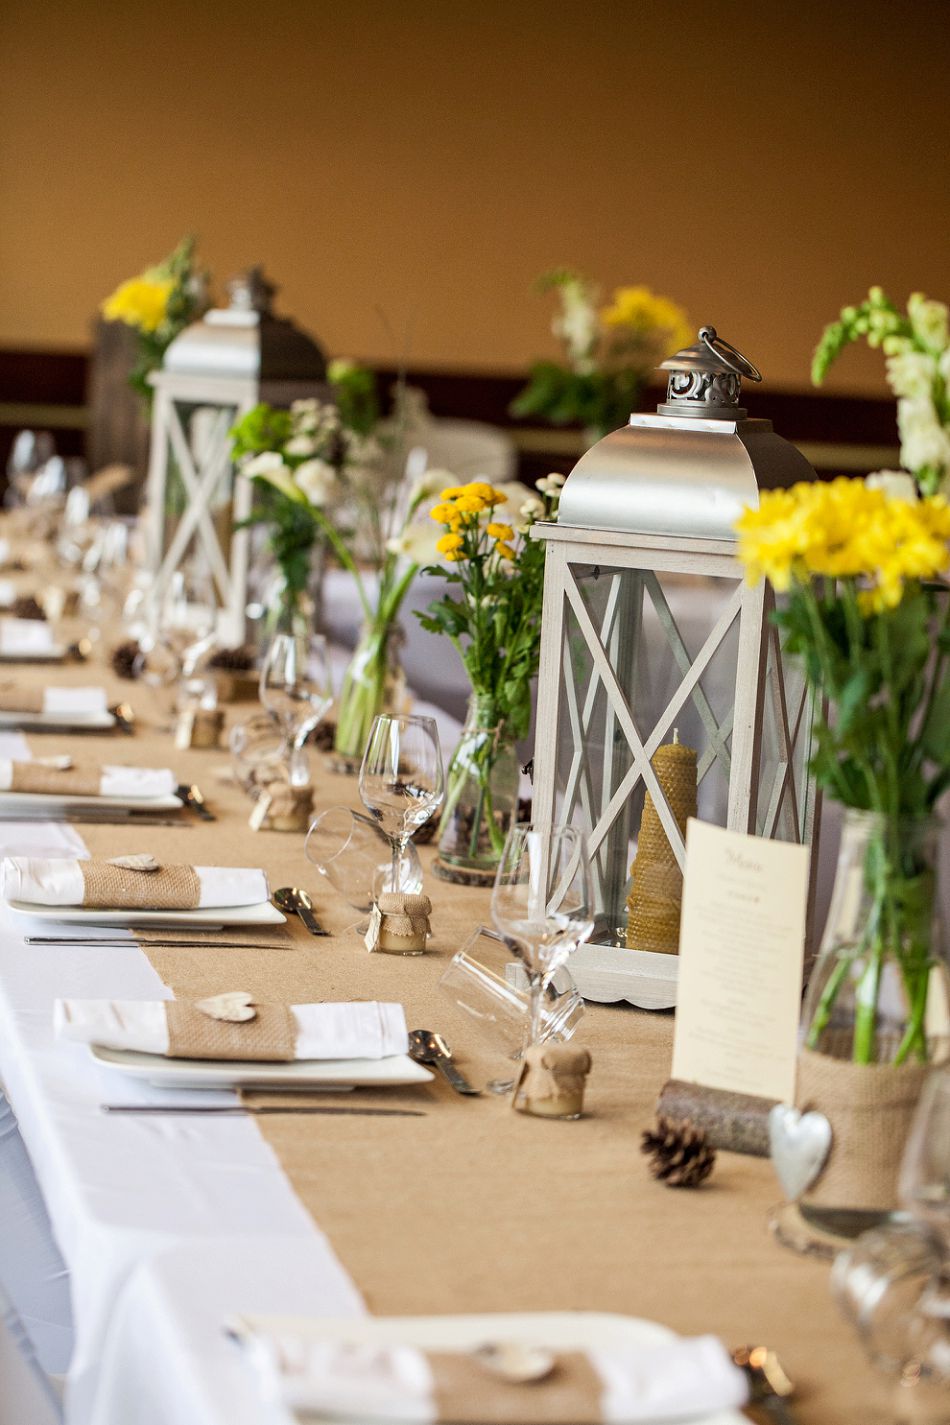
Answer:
(596, 400)
(262, 429)
(354, 388)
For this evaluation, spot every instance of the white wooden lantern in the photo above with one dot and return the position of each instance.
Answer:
(649, 629)
(213, 373)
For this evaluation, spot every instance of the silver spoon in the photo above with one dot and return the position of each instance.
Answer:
(297, 902)
(427, 1047)
(769, 1386)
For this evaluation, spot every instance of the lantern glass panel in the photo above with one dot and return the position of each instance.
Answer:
(198, 457)
(648, 657)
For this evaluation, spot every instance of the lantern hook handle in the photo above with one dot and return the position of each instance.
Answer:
(718, 345)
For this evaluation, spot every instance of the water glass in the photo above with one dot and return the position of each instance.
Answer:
(354, 855)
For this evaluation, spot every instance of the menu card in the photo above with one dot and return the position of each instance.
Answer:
(742, 938)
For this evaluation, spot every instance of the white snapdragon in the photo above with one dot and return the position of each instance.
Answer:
(896, 485)
(318, 481)
(911, 374)
(925, 443)
(264, 464)
(301, 445)
(550, 484)
(576, 324)
(929, 320)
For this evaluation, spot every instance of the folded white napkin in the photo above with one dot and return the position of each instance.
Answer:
(74, 700)
(678, 1380)
(60, 882)
(25, 636)
(367, 1030)
(113, 781)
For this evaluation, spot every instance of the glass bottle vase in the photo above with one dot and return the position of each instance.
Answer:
(374, 682)
(481, 796)
(876, 1014)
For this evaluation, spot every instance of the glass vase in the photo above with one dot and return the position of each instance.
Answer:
(875, 1015)
(481, 796)
(374, 682)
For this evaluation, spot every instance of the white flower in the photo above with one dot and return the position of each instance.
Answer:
(309, 406)
(429, 483)
(313, 417)
(928, 319)
(911, 374)
(361, 449)
(577, 324)
(318, 481)
(301, 445)
(925, 444)
(416, 543)
(550, 484)
(896, 484)
(518, 495)
(263, 464)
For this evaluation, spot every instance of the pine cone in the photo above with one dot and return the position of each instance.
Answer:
(678, 1151)
(26, 607)
(323, 736)
(233, 660)
(124, 659)
(426, 832)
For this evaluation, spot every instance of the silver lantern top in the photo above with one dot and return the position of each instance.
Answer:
(689, 469)
(246, 340)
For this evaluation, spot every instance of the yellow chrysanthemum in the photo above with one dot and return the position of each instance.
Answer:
(503, 550)
(500, 531)
(443, 513)
(451, 492)
(845, 529)
(469, 504)
(449, 543)
(640, 310)
(485, 492)
(140, 302)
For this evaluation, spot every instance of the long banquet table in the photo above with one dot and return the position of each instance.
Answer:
(169, 1225)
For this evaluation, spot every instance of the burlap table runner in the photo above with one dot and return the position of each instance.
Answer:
(21, 700)
(271, 1035)
(61, 781)
(473, 1207)
(465, 1392)
(118, 888)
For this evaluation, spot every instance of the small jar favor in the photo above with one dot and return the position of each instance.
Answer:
(281, 807)
(399, 924)
(552, 1081)
(199, 727)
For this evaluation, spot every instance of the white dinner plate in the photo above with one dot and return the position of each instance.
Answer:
(263, 913)
(549, 1330)
(611, 974)
(97, 720)
(55, 653)
(301, 1074)
(53, 801)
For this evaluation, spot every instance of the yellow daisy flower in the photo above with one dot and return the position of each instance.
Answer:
(449, 543)
(501, 531)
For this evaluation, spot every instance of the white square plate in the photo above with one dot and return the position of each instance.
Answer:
(302, 1074)
(99, 720)
(549, 1330)
(54, 801)
(264, 913)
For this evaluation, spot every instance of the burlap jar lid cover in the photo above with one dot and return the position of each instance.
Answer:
(404, 913)
(550, 1070)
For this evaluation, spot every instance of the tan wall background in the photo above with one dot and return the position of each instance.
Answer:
(761, 163)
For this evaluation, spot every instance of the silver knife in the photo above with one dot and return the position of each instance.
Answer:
(157, 941)
(236, 1109)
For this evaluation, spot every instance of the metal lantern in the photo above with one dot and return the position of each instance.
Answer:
(650, 637)
(213, 373)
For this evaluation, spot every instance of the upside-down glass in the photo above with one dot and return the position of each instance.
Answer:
(354, 855)
(924, 1185)
(542, 901)
(401, 779)
(297, 690)
(488, 982)
(258, 752)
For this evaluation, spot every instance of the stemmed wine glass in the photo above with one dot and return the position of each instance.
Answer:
(401, 779)
(297, 690)
(542, 903)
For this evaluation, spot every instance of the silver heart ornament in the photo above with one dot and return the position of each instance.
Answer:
(799, 1144)
(233, 1007)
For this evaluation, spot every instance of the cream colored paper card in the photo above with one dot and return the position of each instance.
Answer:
(742, 938)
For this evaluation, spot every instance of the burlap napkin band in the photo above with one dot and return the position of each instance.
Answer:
(550, 1070)
(405, 914)
(109, 887)
(466, 1392)
(65, 781)
(270, 1035)
(21, 700)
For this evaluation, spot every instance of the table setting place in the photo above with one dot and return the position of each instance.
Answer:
(539, 1058)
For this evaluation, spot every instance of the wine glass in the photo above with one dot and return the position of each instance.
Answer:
(542, 902)
(297, 691)
(401, 779)
(187, 616)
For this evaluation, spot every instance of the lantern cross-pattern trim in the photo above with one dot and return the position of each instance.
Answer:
(213, 373)
(650, 634)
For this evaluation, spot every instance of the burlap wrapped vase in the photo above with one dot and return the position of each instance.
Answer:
(869, 1107)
